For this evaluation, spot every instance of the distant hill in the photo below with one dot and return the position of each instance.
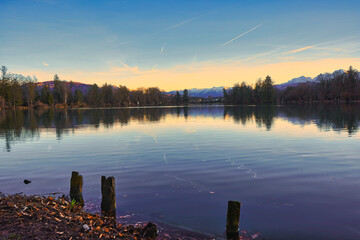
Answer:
(84, 88)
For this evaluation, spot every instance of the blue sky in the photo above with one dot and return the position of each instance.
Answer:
(178, 44)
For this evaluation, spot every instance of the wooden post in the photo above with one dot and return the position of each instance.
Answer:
(232, 220)
(76, 184)
(150, 231)
(108, 202)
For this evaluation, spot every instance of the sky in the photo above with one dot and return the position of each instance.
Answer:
(178, 44)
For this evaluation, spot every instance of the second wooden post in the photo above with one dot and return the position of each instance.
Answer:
(108, 202)
(232, 220)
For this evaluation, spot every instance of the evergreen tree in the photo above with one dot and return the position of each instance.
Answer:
(226, 96)
(258, 95)
(177, 98)
(235, 94)
(186, 97)
(268, 90)
(5, 86)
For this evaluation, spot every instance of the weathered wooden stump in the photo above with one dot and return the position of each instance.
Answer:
(150, 230)
(108, 202)
(76, 184)
(232, 220)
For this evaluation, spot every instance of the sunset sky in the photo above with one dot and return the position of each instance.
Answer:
(178, 44)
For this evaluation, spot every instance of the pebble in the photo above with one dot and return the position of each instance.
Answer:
(86, 227)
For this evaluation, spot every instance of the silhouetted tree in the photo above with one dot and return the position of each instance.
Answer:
(106, 94)
(186, 97)
(29, 89)
(226, 96)
(137, 97)
(94, 96)
(124, 93)
(268, 90)
(177, 98)
(78, 96)
(61, 90)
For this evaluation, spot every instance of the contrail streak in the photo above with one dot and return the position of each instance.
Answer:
(162, 49)
(302, 49)
(173, 26)
(241, 59)
(243, 34)
(179, 24)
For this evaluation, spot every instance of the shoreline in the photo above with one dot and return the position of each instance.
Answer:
(48, 217)
(292, 103)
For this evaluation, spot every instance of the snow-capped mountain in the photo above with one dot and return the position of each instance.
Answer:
(294, 82)
(329, 75)
(202, 92)
(206, 92)
(218, 91)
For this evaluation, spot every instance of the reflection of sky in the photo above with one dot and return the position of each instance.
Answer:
(178, 44)
(202, 124)
(293, 180)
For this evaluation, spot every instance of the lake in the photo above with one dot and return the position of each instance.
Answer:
(296, 169)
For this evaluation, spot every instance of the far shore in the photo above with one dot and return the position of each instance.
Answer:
(63, 107)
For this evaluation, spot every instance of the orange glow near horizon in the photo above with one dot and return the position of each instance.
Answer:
(200, 75)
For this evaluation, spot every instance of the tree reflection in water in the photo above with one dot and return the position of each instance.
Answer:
(17, 126)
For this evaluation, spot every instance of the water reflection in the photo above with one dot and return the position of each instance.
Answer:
(326, 117)
(263, 115)
(16, 126)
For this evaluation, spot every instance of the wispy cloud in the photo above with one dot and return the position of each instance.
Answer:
(45, 64)
(243, 34)
(275, 51)
(301, 49)
(334, 49)
(262, 55)
(127, 69)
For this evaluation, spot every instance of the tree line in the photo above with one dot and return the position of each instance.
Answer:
(341, 86)
(243, 94)
(16, 91)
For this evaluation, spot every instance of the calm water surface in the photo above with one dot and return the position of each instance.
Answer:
(295, 169)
